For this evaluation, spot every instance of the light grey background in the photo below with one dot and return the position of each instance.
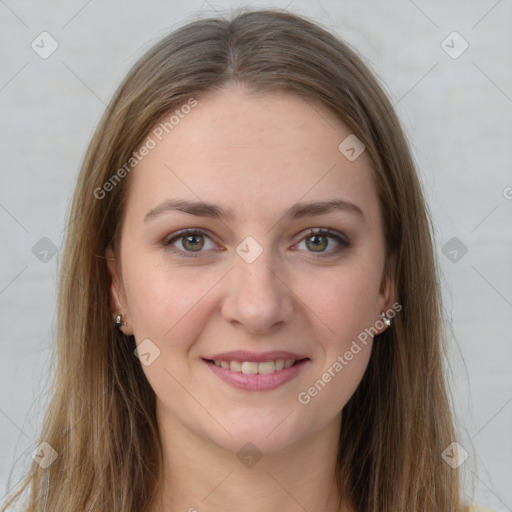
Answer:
(456, 112)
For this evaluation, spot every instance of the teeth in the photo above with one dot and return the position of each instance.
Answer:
(235, 366)
(252, 367)
(266, 367)
(249, 368)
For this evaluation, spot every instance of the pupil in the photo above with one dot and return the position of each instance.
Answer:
(192, 242)
(318, 241)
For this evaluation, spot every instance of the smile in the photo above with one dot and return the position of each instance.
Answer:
(262, 375)
(253, 367)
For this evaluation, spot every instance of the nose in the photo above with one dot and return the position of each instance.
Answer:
(258, 299)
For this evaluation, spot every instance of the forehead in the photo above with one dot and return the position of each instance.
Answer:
(251, 154)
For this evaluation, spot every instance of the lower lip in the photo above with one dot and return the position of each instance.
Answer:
(257, 382)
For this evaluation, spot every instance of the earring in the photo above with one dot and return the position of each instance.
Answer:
(385, 319)
(119, 321)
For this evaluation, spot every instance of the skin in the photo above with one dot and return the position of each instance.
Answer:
(258, 155)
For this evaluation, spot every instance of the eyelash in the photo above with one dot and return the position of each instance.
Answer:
(343, 241)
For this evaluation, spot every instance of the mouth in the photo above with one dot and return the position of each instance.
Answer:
(256, 372)
(253, 367)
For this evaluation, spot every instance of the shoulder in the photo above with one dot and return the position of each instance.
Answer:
(476, 508)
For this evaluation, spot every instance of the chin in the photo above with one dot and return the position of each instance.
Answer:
(267, 433)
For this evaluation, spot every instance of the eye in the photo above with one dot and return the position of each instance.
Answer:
(189, 241)
(318, 240)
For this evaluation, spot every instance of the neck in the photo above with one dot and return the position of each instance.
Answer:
(199, 476)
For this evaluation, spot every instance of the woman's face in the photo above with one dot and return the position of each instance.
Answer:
(256, 284)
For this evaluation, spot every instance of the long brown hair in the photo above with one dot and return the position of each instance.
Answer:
(101, 419)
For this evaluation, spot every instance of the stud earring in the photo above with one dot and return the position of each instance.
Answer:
(119, 321)
(385, 319)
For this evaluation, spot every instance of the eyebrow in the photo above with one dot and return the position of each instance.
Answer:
(297, 211)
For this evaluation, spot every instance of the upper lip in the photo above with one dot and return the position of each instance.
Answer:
(245, 355)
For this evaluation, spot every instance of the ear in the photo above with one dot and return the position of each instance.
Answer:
(386, 297)
(118, 303)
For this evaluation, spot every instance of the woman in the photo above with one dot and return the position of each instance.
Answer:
(249, 312)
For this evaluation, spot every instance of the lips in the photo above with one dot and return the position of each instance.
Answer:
(245, 355)
(253, 371)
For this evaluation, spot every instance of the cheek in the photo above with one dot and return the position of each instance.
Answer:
(167, 303)
(344, 301)
(342, 309)
(169, 306)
